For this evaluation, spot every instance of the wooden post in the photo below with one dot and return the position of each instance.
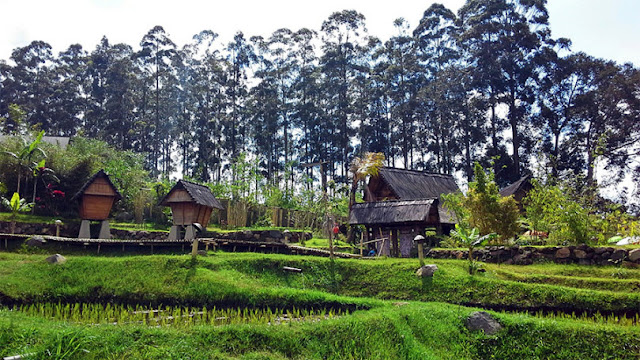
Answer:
(331, 247)
(421, 253)
(194, 248)
(362, 235)
(394, 243)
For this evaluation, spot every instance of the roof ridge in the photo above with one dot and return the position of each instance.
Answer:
(193, 183)
(421, 172)
(100, 172)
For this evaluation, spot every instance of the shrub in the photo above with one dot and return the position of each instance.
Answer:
(483, 207)
(548, 208)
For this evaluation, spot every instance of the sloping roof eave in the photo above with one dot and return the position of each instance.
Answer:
(84, 187)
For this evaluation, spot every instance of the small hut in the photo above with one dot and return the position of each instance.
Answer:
(96, 199)
(519, 190)
(400, 204)
(190, 203)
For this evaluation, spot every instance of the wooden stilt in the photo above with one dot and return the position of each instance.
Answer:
(395, 252)
(98, 248)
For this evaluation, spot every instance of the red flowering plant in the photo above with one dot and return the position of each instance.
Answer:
(49, 201)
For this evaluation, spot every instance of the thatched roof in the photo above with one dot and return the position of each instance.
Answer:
(391, 212)
(60, 141)
(523, 183)
(200, 194)
(414, 185)
(101, 174)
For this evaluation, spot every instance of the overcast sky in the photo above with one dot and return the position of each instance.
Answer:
(607, 29)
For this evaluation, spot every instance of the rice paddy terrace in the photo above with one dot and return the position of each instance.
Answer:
(248, 306)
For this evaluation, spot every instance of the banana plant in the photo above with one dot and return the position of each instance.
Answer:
(25, 158)
(16, 205)
(471, 239)
(41, 172)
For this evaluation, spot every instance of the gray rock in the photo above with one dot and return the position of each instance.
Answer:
(56, 259)
(563, 253)
(634, 255)
(36, 241)
(600, 250)
(202, 252)
(247, 234)
(427, 270)
(481, 320)
(580, 254)
(619, 255)
(276, 234)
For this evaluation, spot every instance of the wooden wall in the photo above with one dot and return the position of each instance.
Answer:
(96, 207)
(97, 200)
(187, 212)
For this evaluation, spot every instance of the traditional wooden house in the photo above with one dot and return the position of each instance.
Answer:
(190, 203)
(96, 197)
(400, 204)
(518, 190)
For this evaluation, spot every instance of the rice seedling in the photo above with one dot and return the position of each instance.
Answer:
(101, 314)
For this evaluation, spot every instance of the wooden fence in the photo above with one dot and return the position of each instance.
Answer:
(241, 214)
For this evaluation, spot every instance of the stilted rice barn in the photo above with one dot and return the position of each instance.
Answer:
(400, 204)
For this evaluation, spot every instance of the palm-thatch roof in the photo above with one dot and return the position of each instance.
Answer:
(392, 212)
(59, 141)
(414, 185)
(99, 174)
(200, 194)
(524, 183)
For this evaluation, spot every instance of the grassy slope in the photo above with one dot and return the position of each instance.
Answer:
(415, 331)
(386, 331)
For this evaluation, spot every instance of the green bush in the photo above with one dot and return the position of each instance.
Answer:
(483, 207)
(549, 208)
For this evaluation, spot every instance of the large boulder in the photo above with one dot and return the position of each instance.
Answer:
(36, 241)
(427, 270)
(482, 320)
(619, 255)
(56, 259)
(563, 253)
(634, 255)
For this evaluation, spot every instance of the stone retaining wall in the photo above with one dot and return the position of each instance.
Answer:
(527, 255)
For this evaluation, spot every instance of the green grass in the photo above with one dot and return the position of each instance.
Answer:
(412, 331)
(228, 278)
(374, 329)
(324, 243)
(33, 219)
(145, 226)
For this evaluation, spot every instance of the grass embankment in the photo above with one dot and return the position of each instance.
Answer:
(414, 331)
(376, 330)
(395, 279)
(254, 278)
